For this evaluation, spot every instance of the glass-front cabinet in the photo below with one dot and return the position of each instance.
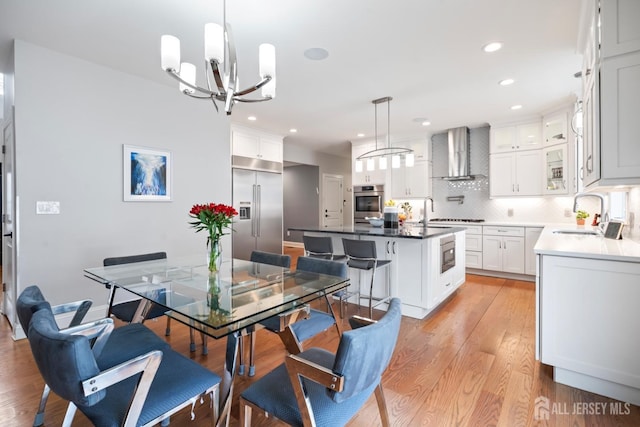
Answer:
(556, 172)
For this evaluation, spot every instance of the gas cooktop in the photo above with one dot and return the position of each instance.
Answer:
(455, 220)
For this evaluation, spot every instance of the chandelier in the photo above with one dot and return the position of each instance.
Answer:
(383, 153)
(220, 65)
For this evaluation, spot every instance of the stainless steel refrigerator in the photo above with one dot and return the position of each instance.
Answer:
(257, 196)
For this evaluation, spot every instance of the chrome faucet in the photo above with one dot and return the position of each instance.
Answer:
(426, 217)
(604, 215)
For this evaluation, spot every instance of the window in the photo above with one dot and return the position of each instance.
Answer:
(618, 205)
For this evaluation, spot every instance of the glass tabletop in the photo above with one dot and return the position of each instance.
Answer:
(241, 294)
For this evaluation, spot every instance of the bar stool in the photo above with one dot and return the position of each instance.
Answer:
(322, 247)
(361, 254)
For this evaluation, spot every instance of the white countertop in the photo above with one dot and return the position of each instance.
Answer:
(585, 246)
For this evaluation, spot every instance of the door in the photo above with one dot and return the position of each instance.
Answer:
(8, 210)
(269, 212)
(332, 200)
(244, 192)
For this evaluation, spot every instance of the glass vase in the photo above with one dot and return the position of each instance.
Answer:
(215, 255)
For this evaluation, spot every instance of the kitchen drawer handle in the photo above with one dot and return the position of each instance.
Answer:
(387, 245)
(393, 247)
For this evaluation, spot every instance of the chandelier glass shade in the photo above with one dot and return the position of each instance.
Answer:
(221, 68)
(387, 151)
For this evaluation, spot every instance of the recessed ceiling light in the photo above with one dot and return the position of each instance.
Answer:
(492, 47)
(252, 118)
(506, 82)
(361, 135)
(516, 107)
(316, 53)
(426, 123)
(293, 130)
(422, 121)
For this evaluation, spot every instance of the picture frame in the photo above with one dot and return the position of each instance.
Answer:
(147, 174)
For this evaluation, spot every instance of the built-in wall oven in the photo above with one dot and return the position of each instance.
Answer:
(368, 202)
(447, 253)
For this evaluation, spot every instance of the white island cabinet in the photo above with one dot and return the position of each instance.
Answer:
(587, 294)
(414, 274)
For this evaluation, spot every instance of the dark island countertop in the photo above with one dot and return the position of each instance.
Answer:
(367, 230)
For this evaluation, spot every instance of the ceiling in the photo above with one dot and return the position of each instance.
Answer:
(426, 54)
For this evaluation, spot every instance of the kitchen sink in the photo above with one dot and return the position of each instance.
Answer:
(583, 232)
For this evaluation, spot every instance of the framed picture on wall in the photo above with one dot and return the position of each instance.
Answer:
(146, 174)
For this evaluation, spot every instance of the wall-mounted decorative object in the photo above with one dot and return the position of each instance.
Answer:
(146, 174)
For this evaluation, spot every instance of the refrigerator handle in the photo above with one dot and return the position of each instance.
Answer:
(255, 212)
(259, 199)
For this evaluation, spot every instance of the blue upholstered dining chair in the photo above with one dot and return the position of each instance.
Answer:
(317, 321)
(319, 388)
(261, 257)
(111, 348)
(142, 391)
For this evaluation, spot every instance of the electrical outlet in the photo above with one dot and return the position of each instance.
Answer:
(567, 213)
(510, 212)
(288, 233)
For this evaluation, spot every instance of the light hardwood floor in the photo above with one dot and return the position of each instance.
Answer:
(470, 364)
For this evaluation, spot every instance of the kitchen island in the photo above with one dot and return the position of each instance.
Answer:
(587, 318)
(415, 274)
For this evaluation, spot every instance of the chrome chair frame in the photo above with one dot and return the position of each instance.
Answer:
(147, 364)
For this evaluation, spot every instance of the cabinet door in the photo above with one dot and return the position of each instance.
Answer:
(556, 129)
(502, 171)
(417, 180)
(513, 254)
(590, 171)
(407, 264)
(531, 237)
(620, 104)
(492, 253)
(245, 144)
(528, 136)
(503, 139)
(528, 172)
(620, 31)
(270, 149)
(555, 169)
(399, 188)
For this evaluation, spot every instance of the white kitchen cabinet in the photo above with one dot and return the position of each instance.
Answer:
(364, 175)
(619, 29)
(256, 145)
(515, 174)
(557, 179)
(526, 136)
(611, 95)
(411, 182)
(587, 324)
(531, 235)
(503, 249)
(473, 246)
(555, 128)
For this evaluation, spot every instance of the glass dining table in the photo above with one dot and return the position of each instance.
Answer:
(223, 304)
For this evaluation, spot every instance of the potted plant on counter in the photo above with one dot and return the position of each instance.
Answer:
(581, 216)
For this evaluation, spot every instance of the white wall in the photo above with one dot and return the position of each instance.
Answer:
(71, 119)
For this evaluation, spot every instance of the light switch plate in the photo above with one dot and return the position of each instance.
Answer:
(47, 208)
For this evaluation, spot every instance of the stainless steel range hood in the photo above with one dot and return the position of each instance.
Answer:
(459, 160)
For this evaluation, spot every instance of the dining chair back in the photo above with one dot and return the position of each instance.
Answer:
(317, 387)
(112, 347)
(142, 391)
(317, 321)
(278, 260)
